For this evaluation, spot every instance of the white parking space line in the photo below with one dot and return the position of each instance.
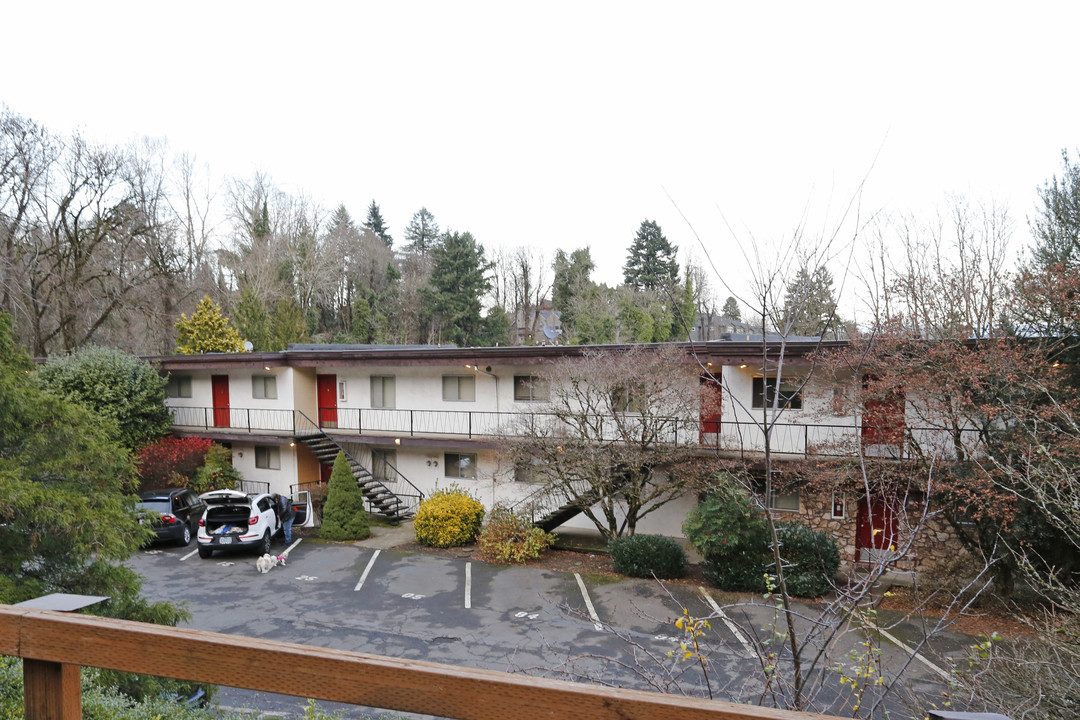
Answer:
(366, 570)
(193, 552)
(727, 621)
(468, 585)
(910, 651)
(289, 549)
(588, 603)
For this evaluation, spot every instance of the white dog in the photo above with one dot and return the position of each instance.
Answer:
(266, 562)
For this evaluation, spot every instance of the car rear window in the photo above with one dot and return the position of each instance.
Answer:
(158, 506)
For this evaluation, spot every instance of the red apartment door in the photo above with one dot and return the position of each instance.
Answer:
(219, 390)
(875, 531)
(883, 419)
(326, 393)
(710, 408)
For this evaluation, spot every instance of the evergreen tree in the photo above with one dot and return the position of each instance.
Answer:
(251, 318)
(422, 233)
(66, 515)
(376, 225)
(207, 331)
(122, 389)
(651, 264)
(809, 304)
(1057, 226)
(573, 278)
(287, 325)
(459, 278)
(362, 321)
(344, 517)
(731, 309)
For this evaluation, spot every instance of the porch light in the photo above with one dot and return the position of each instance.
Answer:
(469, 367)
(292, 444)
(397, 441)
(1057, 364)
(266, 367)
(743, 366)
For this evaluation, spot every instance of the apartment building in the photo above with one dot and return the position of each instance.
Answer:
(415, 418)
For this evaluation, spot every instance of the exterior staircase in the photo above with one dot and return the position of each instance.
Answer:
(381, 499)
(552, 505)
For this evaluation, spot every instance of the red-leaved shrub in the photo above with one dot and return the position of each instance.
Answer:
(170, 459)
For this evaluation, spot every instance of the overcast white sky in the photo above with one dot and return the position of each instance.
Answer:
(565, 124)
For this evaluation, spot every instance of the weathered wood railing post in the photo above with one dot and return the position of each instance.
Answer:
(52, 690)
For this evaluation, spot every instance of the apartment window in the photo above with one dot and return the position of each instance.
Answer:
(460, 465)
(459, 388)
(787, 502)
(627, 399)
(383, 462)
(263, 387)
(178, 386)
(382, 391)
(268, 457)
(529, 388)
(342, 391)
(527, 472)
(765, 392)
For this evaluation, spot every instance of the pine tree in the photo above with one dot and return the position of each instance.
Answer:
(422, 233)
(731, 309)
(651, 264)
(809, 304)
(573, 280)
(251, 318)
(459, 278)
(287, 325)
(207, 331)
(344, 517)
(376, 225)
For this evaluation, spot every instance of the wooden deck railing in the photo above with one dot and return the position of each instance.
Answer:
(54, 646)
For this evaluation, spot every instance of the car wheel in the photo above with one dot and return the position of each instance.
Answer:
(205, 552)
(265, 547)
(185, 539)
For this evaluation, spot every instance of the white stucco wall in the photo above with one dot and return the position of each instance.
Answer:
(243, 455)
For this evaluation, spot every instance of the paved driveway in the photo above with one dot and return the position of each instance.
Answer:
(450, 610)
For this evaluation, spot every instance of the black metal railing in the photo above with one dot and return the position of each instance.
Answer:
(408, 495)
(728, 436)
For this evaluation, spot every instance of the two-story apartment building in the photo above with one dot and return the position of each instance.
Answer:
(414, 418)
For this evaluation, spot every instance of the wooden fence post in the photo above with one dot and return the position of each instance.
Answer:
(51, 690)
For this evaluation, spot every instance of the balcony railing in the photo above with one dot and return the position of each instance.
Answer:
(54, 646)
(727, 436)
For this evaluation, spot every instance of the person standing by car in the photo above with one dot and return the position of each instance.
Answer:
(286, 514)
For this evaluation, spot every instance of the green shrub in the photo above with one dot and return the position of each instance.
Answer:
(448, 518)
(733, 536)
(648, 556)
(344, 516)
(810, 559)
(508, 537)
(217, 472)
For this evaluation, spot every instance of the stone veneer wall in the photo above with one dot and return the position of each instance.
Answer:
(935, 544)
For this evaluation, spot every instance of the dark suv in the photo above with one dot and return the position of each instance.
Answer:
(173, 513)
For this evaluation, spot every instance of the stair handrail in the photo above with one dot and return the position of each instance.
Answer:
(310, 428)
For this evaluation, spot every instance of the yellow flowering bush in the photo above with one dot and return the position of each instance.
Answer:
(449, 517)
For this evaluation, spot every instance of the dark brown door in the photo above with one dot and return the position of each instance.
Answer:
(326, 392)
(219, 389)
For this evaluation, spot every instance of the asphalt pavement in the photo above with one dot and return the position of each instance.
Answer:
(370, 597)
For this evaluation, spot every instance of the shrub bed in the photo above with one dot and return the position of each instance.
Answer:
(510, 538)
(448, 518)
(648, 556)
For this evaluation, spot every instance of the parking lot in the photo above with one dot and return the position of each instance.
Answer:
(450, 610)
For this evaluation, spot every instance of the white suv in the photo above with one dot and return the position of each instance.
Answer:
(236, 519)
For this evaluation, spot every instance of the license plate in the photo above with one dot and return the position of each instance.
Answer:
(225, 541)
